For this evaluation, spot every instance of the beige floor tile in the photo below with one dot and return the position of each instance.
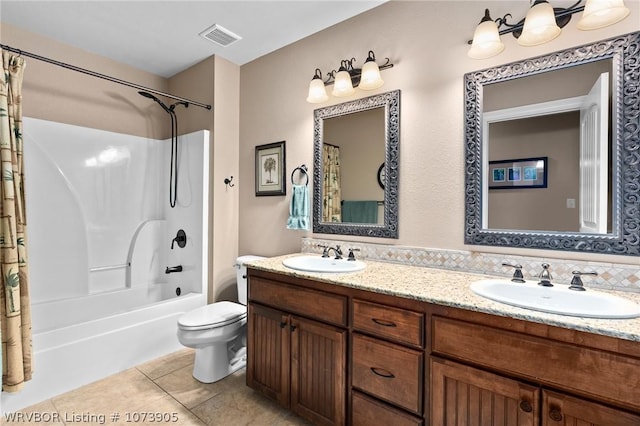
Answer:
(185, 389)
(167, 364)
(237, 404)
(126, 391)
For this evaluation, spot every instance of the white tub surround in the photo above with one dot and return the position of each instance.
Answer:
(100, 235)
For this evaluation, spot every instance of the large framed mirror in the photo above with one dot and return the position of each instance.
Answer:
(355, 178)
(552, 150)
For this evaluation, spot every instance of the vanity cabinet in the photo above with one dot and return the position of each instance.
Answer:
(296, 355)
(340, 355)
(515, 373)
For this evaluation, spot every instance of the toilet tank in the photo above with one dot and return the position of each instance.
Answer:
(241, 276)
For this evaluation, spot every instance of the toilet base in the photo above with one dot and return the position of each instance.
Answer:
(225, 361)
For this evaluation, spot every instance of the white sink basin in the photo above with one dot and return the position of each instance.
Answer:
(557, 299)
(311, 263)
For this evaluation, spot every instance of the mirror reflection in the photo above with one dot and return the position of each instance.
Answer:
(565, 119)
(356, 167)
(353, 149)
(575, 113)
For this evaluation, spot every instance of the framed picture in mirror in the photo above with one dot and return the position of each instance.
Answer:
(518, 173)
(270, 169)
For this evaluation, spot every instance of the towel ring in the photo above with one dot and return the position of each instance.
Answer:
(303, 171)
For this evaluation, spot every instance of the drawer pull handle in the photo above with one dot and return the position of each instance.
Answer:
(526, 406)
(383, 323)
(382, 373)
(555, 414)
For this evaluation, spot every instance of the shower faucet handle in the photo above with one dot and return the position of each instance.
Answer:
(181, 239)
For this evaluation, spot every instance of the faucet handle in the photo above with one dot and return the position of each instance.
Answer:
(517, 274)
(352, 256)
(325, 249)
(576, 281)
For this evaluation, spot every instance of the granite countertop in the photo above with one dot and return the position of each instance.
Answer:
(451, 288)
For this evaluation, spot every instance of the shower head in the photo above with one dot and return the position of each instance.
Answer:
(169, 108)
(150, 96)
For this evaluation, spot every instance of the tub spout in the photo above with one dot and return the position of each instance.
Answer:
(172, 269)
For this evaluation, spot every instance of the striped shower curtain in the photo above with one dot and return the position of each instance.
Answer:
(15, 312)
(331, 193)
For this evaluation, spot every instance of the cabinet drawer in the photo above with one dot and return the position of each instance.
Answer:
(592, 372)
(396, 324)
(391, 372)
(331, 308)
(368, 411)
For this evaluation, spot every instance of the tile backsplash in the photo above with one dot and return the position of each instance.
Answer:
(613, 276)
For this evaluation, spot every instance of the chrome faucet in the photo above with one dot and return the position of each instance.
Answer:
(327, 249)
(545, 276)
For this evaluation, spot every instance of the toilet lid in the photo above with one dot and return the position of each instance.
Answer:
(214, 315)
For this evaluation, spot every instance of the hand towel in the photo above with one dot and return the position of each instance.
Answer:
(360, 211)
(299, 208)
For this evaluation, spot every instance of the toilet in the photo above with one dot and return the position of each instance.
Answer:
(218, 332)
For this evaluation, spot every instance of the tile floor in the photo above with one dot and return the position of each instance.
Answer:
(165, 385)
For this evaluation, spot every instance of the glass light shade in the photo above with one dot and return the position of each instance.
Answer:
(602, 13)
(539, 25)
(486, 41)
(317, 92)
(370, 78)
(342, 86)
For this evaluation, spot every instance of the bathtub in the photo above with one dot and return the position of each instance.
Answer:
(99, 239)
(71, 356)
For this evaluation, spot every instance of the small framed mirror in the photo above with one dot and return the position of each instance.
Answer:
(581, 124)
(356, 146)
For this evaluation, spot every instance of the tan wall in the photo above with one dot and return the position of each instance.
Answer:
(427, 46)
(57, 94)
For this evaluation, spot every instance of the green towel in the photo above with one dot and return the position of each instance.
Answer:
(299, 208)
(360, 211)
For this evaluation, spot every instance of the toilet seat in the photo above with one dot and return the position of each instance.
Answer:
(214, 315)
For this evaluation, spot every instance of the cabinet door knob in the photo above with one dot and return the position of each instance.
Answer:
(283, 324)
(383, 323)
(555, 414)
(526, 406)
(292, 327)
(382, 373)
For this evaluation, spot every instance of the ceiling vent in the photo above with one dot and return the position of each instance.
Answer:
(220, 35)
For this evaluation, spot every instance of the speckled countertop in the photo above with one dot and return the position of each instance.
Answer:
(451, 288)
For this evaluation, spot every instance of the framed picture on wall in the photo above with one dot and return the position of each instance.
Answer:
(270, 169)
(518, 173)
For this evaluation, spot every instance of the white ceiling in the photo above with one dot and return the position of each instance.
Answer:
(162, 37)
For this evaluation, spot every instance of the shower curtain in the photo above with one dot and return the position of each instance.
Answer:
(15, 315)
(331, 195)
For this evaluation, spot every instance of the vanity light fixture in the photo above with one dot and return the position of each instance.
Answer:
(542, 24)
(346, 78)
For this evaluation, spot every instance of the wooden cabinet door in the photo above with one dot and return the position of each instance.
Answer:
(318, 379)
(466, 396)
(268, 349)
(564, 410)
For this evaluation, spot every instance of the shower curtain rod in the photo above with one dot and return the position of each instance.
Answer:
(102, 76)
